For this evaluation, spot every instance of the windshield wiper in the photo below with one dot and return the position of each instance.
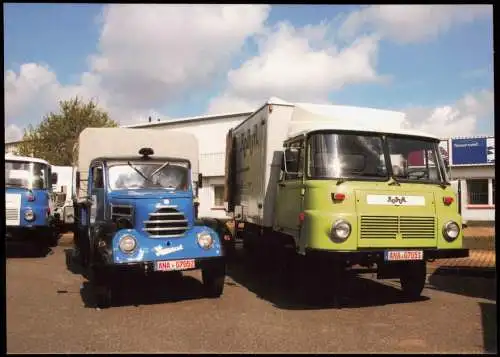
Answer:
(139, 172)
(159, 169)
(341, 180)
(394, 182)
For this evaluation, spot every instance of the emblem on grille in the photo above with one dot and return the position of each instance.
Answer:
(396, 200)
(166, 202)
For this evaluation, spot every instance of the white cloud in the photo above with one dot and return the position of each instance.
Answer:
(298, 64)
(458, 119)
(411, 23)
(149, 56)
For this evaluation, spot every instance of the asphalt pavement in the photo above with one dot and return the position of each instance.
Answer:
(50, 310)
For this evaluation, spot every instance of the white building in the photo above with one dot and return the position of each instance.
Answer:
(211, 132)
(473, 163)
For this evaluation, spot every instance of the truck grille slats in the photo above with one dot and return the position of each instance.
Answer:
(12, 214)
(166, 221)
(388, 227)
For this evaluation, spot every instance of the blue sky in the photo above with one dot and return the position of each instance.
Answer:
(435, 63)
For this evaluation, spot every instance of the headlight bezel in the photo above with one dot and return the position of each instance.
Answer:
(334, 236)
(445, 230)
(202, 235)
(33, 216)
(129, 237)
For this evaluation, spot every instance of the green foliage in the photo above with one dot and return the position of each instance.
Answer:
(55, 139)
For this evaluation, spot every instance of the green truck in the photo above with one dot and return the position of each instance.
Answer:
(344, 186)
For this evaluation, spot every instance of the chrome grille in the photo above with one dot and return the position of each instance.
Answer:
(12, 214)
(387, 227)
(166, 221)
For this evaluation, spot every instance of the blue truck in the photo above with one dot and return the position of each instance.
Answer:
(136, 209)
(28, 200)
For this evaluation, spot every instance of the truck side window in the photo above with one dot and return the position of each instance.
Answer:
(294, 161)
(97, 177)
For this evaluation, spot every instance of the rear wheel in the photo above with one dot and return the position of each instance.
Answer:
(213, 280)
(413, 276)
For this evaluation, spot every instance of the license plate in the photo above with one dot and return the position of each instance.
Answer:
(402, 255)
(172, 265)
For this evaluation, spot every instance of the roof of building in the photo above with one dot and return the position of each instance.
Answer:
(187, 119)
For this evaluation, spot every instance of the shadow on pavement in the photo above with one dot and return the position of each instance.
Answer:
(26, 250)
(138, 289)
(490, 329)
(149, 290)
(275, 287)
(472, 286)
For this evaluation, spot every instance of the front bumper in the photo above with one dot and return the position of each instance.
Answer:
(200, 263)
(374, 255)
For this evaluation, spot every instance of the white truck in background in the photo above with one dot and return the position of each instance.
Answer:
(63, 195)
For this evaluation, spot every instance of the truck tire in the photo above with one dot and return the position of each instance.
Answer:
(213, 281)
(413, 277)
(105, 291)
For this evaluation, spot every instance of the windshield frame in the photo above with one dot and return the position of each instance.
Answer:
(349, 178)
(109, 163)
(47, 185)
(444, 179)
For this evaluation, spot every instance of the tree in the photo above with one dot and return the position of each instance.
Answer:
(55, 139)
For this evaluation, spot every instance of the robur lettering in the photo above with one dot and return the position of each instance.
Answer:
(396, 200)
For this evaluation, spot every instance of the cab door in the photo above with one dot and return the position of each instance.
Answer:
(289, 202)
(96, 193)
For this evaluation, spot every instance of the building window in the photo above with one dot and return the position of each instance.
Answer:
(219, 196)
(477, 191)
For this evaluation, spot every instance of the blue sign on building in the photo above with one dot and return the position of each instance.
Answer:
(471, 152)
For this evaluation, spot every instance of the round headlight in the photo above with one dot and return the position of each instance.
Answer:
(29, 215)
(127, 244)
(205, 240)
(451, 230)
(340, 230)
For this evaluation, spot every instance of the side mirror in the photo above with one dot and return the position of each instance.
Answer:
(54, 178)
(200, 180)
(77, 183)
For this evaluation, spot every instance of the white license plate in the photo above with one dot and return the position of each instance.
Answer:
(402, 255)
(172, 265)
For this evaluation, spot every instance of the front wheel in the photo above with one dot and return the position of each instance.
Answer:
(413, 277)
(213, 281)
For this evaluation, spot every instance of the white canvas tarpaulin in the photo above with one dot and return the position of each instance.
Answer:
(125, 143)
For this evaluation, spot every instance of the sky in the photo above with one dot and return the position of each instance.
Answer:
(433, 62)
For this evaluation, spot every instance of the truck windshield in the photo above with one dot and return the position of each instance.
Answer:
(335, 155)
(416, 160)
(25, 174)
(163, 175)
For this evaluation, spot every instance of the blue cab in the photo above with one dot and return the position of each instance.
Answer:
(139, 214)
(28, 200)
